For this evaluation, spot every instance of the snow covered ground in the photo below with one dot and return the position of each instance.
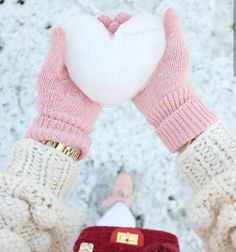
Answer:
(123, 139)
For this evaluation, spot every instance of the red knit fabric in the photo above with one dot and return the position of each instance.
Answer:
(101, 237)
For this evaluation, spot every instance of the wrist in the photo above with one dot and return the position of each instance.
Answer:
(66, 150)
(179, 118)
(46, 128)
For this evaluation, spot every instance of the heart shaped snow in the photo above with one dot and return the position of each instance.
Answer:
(112, 68)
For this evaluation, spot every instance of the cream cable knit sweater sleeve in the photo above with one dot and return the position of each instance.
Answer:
(34, 187)
(209, 165)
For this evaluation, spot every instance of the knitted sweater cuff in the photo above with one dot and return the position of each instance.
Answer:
(44, 166)
(209, 155)
(209, 165)
(179, 118)
(34, 186)
(45, 128)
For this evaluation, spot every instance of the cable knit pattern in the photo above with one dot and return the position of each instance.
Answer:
(34, 185)
(44, 165)
(209, 165)
(212, 153)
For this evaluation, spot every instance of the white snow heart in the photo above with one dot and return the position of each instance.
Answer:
(109, 68)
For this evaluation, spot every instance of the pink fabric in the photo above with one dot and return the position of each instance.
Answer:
(123, 191)
(112, 25)
(169, 101)
(65, 114)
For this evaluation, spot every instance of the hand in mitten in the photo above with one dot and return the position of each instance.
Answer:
(36, 182)
(169, 102)
(113, 25)
(66, 115)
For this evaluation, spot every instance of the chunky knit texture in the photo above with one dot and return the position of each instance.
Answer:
(209, 164)
(169, 101)
(65, 115)
(34, 186)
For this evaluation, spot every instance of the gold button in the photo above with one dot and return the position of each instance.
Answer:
(127, 238)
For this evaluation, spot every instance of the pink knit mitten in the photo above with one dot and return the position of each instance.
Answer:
(113, 25)
(66, 115)
(169, 101)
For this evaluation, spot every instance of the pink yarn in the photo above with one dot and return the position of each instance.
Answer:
(106, 20)
(112, 25)
(66, 115)
(169, 101)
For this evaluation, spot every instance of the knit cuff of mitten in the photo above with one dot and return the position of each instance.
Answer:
(44, 166)
(46, 128)
(180, 117)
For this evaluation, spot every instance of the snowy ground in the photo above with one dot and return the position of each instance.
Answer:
(123, 139)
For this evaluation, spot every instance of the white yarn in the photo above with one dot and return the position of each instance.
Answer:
(33, 189)
(209, 165)
(10, 242)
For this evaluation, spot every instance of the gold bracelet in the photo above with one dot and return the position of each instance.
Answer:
(68, 151)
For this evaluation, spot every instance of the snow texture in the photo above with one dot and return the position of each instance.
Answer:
(123, 139)
(114, 61)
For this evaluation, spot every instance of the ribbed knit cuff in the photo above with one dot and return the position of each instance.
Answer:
(179, 118)
(211, 154)
(45, 128)
(43, 166)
